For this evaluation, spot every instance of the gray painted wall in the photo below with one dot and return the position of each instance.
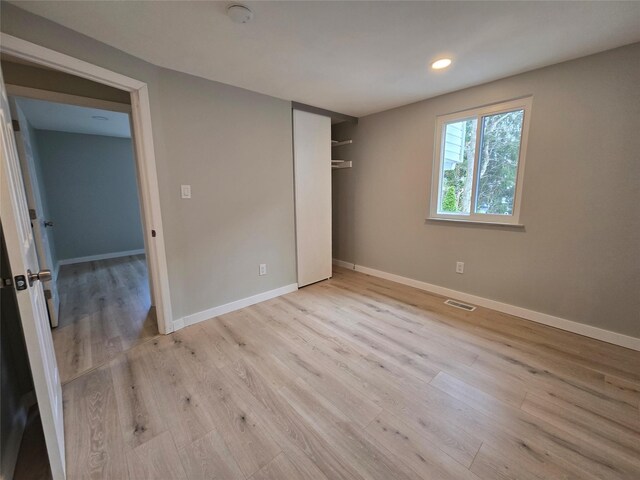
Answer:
(91, 193)
(579, 255)
(29, 137)
(233, 146)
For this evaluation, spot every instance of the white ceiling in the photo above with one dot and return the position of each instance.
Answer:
(352, 57)
(60, 117)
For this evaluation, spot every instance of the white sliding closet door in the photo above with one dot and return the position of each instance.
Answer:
(312, 160)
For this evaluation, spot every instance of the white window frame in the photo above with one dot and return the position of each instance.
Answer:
(477, 113)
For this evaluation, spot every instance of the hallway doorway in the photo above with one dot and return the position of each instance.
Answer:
(80, 176)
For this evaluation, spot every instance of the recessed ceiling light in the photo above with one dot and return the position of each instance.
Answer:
(239, 13)
(99, 117)
(442, 63)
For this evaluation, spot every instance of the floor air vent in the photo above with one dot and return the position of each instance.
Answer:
(463, 306)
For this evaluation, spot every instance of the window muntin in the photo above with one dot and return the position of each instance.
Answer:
(479, 163)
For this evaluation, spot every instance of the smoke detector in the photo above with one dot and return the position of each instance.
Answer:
(239, 13)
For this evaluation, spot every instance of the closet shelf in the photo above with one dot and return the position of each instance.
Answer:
(335, 143)
(336, 164)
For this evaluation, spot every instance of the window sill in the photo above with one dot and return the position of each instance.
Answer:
(475, 222)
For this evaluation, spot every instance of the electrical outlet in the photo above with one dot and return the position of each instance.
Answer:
(459, 267)
(185, 191)
(263, 269)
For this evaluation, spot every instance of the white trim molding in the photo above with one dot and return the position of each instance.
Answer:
(51, 96)
(538, 317)
(145, 157)
(40, 55)
(232, 306)
(102, 256)
(343, 264)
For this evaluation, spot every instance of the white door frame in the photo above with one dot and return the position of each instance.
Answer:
(145, 156)
(66, 98)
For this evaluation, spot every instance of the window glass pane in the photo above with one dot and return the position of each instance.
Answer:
(498, 162)
(456, 179)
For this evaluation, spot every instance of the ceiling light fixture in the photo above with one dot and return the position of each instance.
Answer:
(239, 13)
(99, 117)
(440, 64)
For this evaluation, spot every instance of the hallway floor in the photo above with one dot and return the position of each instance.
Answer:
(105, 309)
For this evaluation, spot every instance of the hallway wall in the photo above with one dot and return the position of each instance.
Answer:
(91, 193)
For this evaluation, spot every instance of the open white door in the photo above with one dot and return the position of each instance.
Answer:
(21, 251)
(35, 202)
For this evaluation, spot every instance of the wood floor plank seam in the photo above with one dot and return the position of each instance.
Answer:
(475, 456)
(97, 366)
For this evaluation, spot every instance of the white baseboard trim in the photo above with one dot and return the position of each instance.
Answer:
(178, 324)
(102, 256)
(538, 317)
(343, 264)
(232, 306)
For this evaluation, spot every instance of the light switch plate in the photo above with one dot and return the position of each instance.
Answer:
(185, 191)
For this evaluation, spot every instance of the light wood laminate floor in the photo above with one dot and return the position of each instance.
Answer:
(105, 309)
(359, 378)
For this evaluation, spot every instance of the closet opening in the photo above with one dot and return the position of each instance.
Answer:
(319, 156)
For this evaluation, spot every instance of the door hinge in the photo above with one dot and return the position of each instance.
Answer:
(32, 214)
(16, 125)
